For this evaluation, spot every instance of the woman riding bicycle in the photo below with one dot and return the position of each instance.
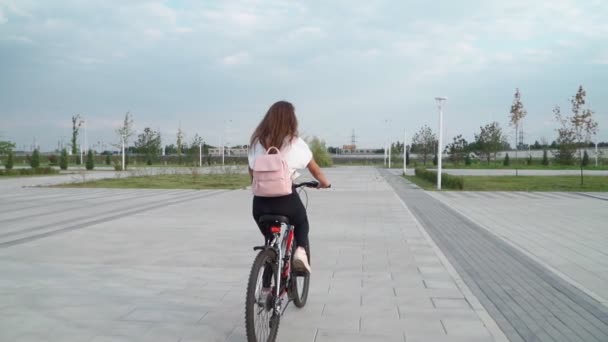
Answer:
(279, 128)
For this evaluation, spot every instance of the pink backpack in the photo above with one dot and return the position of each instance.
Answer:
(271, 176)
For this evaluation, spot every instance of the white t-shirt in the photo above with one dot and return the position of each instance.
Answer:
(297, 154)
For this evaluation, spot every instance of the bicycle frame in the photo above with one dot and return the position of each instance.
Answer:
(281, 243)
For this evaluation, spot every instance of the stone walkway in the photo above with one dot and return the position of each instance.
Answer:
(528, 301)
(167, 265)
(565, 231)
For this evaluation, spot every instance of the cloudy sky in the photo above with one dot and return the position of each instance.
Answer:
(371, 66)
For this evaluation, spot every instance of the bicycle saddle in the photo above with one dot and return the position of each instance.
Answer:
(270, 219)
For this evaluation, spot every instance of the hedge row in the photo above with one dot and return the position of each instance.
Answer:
(29, 172)
(447, 181)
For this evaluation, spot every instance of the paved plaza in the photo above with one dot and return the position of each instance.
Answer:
(172, 265)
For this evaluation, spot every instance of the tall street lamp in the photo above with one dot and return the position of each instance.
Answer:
(404, 152)
(440, 101)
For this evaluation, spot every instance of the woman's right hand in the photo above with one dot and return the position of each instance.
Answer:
(316, 172)
(324, 185)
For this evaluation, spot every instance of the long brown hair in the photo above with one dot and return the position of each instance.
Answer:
(279, 123)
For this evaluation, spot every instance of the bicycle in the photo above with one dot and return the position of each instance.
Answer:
(269, 291)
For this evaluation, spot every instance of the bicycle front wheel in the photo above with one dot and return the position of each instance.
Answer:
(261, 320)
(300, 282)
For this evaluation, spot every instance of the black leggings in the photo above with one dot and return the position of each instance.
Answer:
(290, 206)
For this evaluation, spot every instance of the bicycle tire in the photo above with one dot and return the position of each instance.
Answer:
(266, 256)
(299, 299)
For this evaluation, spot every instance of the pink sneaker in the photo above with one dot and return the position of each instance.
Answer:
(300, 260)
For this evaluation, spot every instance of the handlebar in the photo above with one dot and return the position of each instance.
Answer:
(311, 184)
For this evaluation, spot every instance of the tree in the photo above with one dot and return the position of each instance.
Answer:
(490, 140)
(170, 149)
(180, 141)
(506, 161)
(545, 158)
(76, 123)
(35, 161)
(194, 149)
(90, 164)
(6, 147)
(435, 160)
(63, 159)
(397, 148)
(125, 133)
(407, 156)
(148, 143)
(566, 139)
(9, 160)
(319, 152)
(537, 145)
(457, 149)
(583, 125)
(516, 115)
(108, 159)
(467, 160)
(424, 143)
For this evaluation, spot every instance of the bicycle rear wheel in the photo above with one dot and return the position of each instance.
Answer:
(261, 321)
(300, 282)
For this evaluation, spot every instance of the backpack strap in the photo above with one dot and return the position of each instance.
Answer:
(271, 148)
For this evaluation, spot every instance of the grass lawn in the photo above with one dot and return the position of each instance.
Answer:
(173, 181)
(524, 183)
(500, 166)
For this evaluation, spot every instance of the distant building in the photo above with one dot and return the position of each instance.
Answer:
(228, 152)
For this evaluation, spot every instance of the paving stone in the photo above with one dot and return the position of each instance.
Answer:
(159, 269)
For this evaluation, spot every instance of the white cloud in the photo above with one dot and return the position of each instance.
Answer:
(159, 10)
(17, 39)
(184, 30)
(310, 31)
(88, 60)
(236, 59)
(601, 59)
(153, 34)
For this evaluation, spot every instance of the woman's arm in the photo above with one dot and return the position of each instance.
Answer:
(316, 172)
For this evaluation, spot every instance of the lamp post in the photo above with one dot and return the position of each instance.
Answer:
(123, 151)
(387, 146)
(404, 152)
(440, 101)
(226, 123)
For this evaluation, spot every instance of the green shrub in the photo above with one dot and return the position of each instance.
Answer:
(35, 161)
(90, 164)
(506, 162)
(585, 161)
(117, 167)
(447, 181)
(435, 160)
(53, 160)
(530, 160)
(319, 152)
(9, 161)
(467, 160)
(108, 159)
(29, 172)
(63, 159)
